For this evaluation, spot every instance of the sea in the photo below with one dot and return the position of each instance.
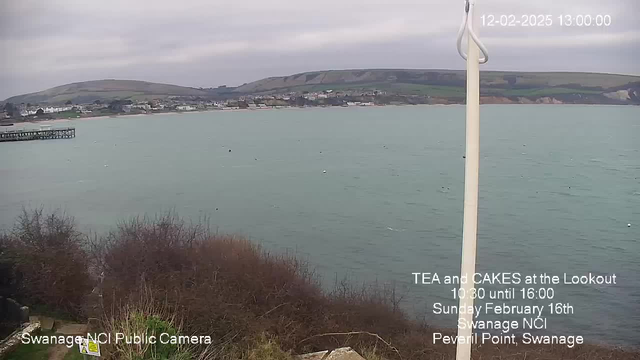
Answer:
(375, 195)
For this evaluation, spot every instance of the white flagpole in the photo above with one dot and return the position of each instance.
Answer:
(472, 160)
(470, 222)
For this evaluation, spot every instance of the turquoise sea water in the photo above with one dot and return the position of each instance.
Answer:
(558, 186)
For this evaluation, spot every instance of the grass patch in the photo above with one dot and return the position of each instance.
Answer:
(427, 90)
(41, 351)
(538, 92)
(30, 352)
(74, 354)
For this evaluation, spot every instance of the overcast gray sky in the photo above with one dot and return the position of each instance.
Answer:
(204, 43)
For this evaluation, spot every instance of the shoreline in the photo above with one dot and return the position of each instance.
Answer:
(59, 121)
(291, 108)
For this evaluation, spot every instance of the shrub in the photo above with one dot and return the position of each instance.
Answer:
(164, 275)
(222, 286)
(45, 262)
(146, 318)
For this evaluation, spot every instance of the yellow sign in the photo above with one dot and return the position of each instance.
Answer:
(89, 347)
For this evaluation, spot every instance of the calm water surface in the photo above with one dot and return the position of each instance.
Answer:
(558, 186)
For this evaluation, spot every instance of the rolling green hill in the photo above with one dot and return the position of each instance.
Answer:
(451, 83)
(105, 90)
(446, 86)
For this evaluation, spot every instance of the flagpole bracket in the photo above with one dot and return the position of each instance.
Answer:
(467, 24)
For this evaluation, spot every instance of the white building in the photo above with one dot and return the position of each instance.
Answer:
(53, 109)
(142, 106)
(185, 108)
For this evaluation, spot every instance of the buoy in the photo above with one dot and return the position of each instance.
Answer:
(229, 150)
(105, 165)
(324, 171)
(628, 225)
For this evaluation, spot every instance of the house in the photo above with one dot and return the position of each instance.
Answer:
(143, 106)
(53, 109)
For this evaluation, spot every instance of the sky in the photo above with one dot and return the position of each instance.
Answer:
(208, 43)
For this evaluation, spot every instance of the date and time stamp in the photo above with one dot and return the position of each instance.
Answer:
(546, 20)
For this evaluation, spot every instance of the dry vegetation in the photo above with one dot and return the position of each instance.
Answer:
(48, 263)
(166, 275)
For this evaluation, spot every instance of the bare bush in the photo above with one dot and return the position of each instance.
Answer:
(48, 264)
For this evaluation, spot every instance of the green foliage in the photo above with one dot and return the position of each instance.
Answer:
(30, 352)
(539, 92)
(74, 354)
(155, 326)
(145, 316)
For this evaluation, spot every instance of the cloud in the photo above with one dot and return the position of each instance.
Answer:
(583, 41)
(201, 42)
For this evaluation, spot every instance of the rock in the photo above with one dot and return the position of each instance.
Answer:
(320, 355)
(13, 310)
(72, 329)
(47, 323)
(345, 353)
(495, 100)
(618, 95)
(11, 343)
(24, 314)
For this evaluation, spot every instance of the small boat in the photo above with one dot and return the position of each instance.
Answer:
(6, 124)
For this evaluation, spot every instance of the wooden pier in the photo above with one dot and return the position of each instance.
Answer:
(41, 134)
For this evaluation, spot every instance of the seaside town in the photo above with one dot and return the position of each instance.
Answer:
(30, 112)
